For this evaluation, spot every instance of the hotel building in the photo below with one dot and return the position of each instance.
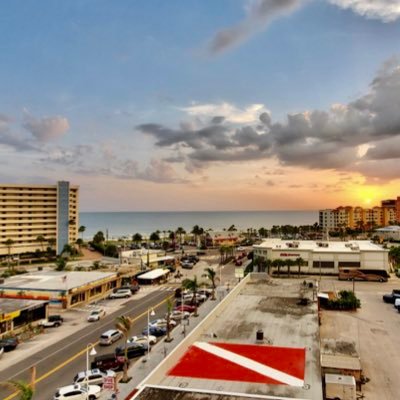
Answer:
(31, 211)
(361, 218)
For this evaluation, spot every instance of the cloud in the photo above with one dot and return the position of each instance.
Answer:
(226, 111)
(345, 137)
(5, 121)
(46, 128)
(259, 13)
(75, 155)
(385, 10)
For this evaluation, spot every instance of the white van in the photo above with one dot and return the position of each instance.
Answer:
(397, 304)
(109, 337)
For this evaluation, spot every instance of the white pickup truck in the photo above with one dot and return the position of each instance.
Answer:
(53, 321)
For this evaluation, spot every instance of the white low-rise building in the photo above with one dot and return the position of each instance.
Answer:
(326, 257)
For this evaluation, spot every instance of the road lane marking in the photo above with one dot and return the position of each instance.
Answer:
(75, 356)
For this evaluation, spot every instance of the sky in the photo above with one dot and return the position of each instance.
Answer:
(188, 105)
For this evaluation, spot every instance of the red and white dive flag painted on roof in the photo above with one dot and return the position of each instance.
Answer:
(242, 362)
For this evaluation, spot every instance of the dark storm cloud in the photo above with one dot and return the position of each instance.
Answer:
(317, 139)
(259, 14)
(218, 120)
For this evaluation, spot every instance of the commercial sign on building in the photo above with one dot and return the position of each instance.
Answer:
(289, 255)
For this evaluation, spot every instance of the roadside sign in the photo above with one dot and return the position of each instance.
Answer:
(109, 382)
(239, 273)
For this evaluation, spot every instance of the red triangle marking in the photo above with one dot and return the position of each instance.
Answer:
(197, 363)
(285, 359)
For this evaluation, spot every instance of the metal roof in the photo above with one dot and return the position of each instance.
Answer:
(154, 274)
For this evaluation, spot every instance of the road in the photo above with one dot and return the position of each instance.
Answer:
(57, 364)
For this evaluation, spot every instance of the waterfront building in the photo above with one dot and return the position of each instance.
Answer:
(326, 257)
(28, 212)
(361, 218)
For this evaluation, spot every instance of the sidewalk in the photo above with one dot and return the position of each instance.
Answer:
(75, 320)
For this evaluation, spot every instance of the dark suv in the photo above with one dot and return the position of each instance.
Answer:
(9, 343)
(134, 350)
(390, 298)
(106, 362)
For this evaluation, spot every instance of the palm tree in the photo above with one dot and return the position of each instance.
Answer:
(268, 265)
(278, 263)
(180, 231)
(289, 263)
(81, 230)
(197, 231)
(79, 242)
(210, 274)
(41, 239)
(9, 243)
(299, 262)
(124, 324)
(24, 389)
(192, 285)
(169, 310)
(60, 264)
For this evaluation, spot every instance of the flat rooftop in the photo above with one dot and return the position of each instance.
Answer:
(223, 358)
(351, 246)
(8, 306)
(55, 280)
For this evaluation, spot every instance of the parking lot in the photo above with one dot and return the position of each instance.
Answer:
(374, 329)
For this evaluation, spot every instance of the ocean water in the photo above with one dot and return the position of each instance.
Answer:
(119, 224)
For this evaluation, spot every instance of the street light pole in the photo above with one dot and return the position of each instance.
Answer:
(92, 352)
(152, 313)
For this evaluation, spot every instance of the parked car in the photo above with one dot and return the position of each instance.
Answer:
(205, 291)
(185, 307)
(134, 350)
(53, 321)
(9, 344)
(133, 288)
(107, 362)
(96, 314)
(143, 339)
(162, 323)
(238, 262)
(78, 392)
(187, 265)
(199, 297)
(109, 337)
(121, 293)
(397, 304)
(390, 298)
(91, 377)
(178, 315)
(155, 331)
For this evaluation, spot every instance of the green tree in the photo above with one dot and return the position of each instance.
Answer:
(67, 249)
(98, 238)
(82, 229)
(52, 242)
(41, 239)
(137, 238)
(211, 275)
(263, 232)
(155, 237)
(197, 231)
(180, 231)
(61, 263)
(299, 262)
(9, 243)
(232, 228)
(124, 324)
(278, 263)
(193, 286)
(24, 389)
(79, 242)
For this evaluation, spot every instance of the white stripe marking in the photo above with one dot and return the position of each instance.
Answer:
(250, 364)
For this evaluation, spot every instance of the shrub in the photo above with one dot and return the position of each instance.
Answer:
(347, 300)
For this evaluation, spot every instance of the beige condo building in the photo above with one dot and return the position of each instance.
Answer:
(361, 218)
(31, 211)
